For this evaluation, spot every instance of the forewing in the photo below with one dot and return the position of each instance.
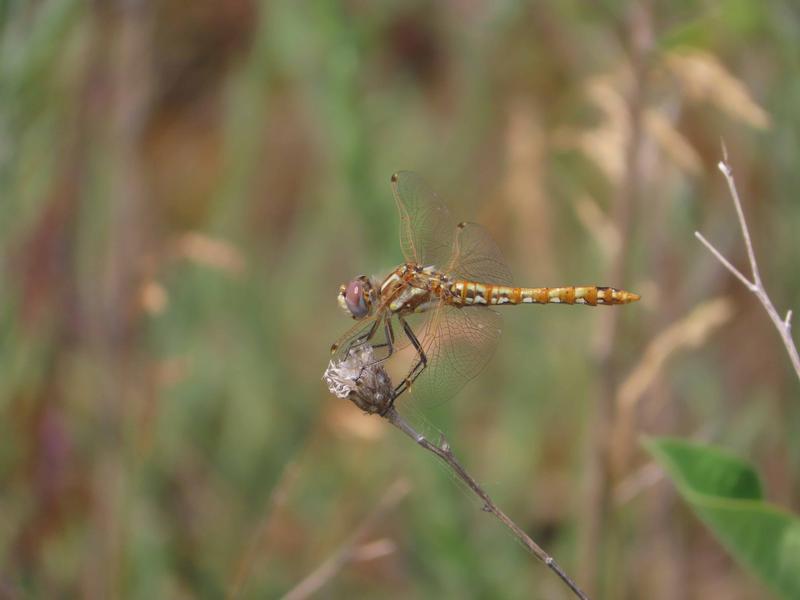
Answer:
(426, 228)
(458, 344)
(476, 256)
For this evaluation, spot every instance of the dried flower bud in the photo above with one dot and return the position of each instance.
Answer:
(361, 379)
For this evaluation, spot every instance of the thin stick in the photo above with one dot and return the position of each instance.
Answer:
(315, 580)
(724, 166)
(443, 451)
(783, 325)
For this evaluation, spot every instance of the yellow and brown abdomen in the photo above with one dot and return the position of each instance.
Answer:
(469, 293)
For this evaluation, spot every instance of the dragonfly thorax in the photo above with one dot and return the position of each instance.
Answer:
(413, 288)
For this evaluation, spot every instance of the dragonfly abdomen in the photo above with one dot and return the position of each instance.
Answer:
(467, 293)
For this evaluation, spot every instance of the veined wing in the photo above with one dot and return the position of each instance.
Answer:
(476, 256)
(426, 228)
(458, 344)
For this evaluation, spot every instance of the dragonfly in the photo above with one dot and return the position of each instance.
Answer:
(442, 300)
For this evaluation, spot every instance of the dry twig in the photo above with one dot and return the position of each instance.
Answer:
(783, 325)
(442, 451)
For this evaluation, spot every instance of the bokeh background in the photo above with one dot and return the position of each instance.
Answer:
(184, 185)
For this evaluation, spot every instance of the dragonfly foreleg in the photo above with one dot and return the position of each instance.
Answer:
(361, 339)
(388, 344)
(418, 367)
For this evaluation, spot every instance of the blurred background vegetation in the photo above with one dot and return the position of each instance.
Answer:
(184, 185)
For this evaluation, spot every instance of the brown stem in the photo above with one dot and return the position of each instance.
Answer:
(444, 453)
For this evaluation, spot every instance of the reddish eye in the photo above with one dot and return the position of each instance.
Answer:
(354, 298)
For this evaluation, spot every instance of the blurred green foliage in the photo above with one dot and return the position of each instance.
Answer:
(184, 185)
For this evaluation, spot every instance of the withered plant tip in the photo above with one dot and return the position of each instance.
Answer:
(362, 379)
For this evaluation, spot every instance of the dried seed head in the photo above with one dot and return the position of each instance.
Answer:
(361, 379)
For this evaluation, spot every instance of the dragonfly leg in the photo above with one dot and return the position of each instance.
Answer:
(389, 345)
(418, 368)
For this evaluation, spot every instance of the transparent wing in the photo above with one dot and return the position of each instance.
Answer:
(426, 228)
(457, 343)
(476, 256)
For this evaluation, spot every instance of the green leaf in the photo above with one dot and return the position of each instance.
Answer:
(725, 492)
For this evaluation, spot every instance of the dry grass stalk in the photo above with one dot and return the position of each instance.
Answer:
(210, 252)
(605, 144)
(597, 519)
(525, 185)
(642, 478)
(672, 142)
(689, 332)
(705, 78)
(599, 226)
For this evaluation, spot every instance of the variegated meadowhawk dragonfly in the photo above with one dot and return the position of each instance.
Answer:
(441, 299)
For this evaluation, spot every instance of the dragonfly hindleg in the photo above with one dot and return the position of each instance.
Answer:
(389, 343)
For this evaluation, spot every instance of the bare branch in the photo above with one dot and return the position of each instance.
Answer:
(750, 285)
(756, 286)
(724, 166)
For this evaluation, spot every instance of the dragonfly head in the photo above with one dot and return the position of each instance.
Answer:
(356, 297)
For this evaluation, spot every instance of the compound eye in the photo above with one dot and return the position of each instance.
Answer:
(354, 299)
